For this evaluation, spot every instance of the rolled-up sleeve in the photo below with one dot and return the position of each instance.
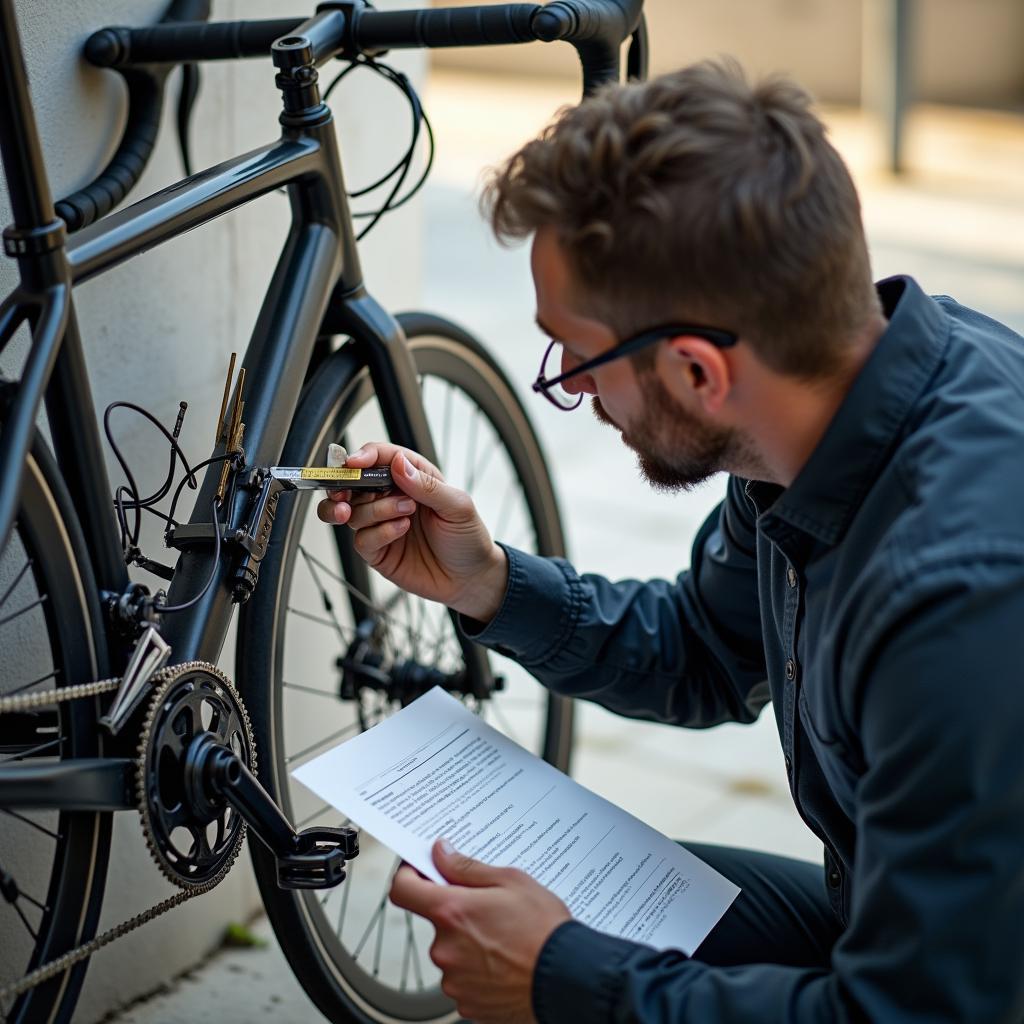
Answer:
(688, 651)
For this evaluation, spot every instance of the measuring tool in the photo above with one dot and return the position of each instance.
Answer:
(333, 478)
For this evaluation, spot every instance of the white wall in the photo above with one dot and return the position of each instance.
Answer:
(160, 330)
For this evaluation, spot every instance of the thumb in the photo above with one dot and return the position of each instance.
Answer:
(448, 502)
(459, 869)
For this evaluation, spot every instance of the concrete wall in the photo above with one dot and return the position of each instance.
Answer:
(160, 330)
(962, 51)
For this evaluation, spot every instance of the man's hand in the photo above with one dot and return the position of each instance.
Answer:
(429, 539)
(491, 924)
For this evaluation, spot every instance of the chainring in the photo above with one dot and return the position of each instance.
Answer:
(193, 847)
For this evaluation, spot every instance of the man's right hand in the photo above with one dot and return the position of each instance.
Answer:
(428, 539)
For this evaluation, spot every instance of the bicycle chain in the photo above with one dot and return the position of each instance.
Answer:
(47, 698)
(73, 956)
(57, 966)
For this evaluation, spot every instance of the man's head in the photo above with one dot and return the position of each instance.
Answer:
(693, 198)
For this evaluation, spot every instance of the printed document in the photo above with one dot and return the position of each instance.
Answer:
(435, 770)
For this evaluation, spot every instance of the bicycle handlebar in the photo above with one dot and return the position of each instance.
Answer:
(117, 47)
(144, 56)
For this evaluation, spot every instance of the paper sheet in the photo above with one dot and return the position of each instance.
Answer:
(436, 770)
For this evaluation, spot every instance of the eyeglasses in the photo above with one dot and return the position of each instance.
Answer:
(560, 400)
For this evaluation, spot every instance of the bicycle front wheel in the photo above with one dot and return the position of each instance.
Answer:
(329, 648)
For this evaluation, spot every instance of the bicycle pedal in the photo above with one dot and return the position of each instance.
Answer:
(322, 863)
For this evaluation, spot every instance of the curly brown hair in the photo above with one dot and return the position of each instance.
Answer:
(698, 195)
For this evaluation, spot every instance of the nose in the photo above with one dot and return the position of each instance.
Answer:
(582, 383)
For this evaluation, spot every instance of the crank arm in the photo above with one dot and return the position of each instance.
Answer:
(312, 859)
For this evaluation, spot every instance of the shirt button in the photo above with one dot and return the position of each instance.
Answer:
(834, 878)
(791, 576)
(790, 669)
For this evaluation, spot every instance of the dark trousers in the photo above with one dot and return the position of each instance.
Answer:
(781, 916)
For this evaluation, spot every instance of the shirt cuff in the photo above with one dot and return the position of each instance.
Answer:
(540, 609)
(578, 976)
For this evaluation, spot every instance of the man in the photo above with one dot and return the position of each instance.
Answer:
(864, 574)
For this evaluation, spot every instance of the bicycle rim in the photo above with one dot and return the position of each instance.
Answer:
(54, 861)
(357, 955)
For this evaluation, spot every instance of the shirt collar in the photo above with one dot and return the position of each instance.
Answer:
(827, 492)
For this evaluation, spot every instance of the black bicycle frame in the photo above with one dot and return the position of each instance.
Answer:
(316, 291)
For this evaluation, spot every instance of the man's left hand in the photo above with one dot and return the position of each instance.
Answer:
(491, 924)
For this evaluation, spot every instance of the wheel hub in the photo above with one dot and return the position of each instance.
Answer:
(363, 667)
(192, 833)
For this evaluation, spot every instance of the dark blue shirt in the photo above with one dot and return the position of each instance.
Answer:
(878, 604)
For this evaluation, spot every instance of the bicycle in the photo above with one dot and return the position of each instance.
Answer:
(120, 705)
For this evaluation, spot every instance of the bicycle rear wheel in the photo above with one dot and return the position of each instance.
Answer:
(52, 864)
(358, 957)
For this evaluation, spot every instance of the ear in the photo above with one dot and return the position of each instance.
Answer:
(700, 369)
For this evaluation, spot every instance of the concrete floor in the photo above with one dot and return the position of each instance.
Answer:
(956, 222)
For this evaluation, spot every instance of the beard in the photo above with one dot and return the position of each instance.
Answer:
(675, 450)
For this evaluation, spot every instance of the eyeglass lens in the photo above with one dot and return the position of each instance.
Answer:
(551, 367)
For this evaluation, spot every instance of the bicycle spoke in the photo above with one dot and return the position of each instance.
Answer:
(474, 424)
(369, 928)
(312, 689)
(24, 921)
(32, 750)
(416, 958)
(481, 467)
(35, 682)
(29, 821)
(316, 814)
(320, 621)
(354, 590)
(344, 898)
(21, 611)
(14, 583)
(319, 743)
(407, 952)
(27, 896)
(446, 433)
(326, 599)
(506, 510)
(380, 936)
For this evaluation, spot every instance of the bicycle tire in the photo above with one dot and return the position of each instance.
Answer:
(46, 554)
(324, 962)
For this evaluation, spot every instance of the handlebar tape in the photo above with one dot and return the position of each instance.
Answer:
(90, 203)
(179, 43)
(376, 31)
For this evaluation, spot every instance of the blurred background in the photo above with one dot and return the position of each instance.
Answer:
(924, 99)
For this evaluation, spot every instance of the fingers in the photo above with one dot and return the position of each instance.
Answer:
(450, 503)
(335, 508)
(380, 511)
(383, 453)
(411, 891)
(459, 869)
(373, 542)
